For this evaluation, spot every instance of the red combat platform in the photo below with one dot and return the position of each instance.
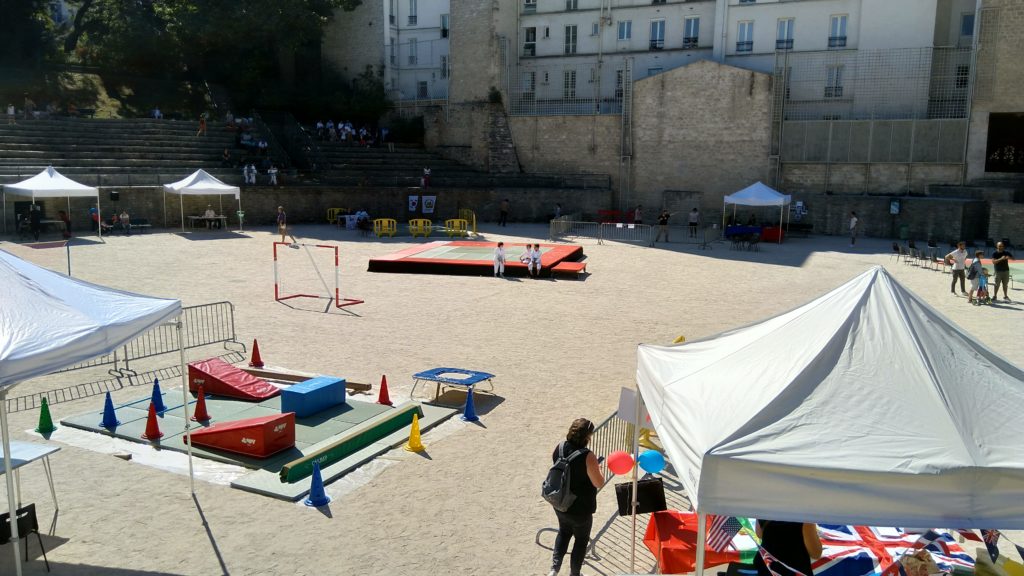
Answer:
(219, 378)
(258, 437)
(462, 257)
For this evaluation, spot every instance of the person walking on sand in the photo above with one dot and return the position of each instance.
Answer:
(854, 223)
(1001, 266)
(958, 259)
(693, 221)
(585, 479)
(282, 227)
(663, 225)
(503, 212)
(974, 274)
(638, 215)
(499, 260)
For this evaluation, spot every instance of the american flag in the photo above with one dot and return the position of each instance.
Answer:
(722, 531)
(991, 542)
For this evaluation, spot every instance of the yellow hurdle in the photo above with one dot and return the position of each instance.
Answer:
(456, 227)
(420, 227)
(332, 214)
(385, 227)
(415, 444)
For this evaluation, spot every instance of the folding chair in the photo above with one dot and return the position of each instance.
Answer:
(27, 523)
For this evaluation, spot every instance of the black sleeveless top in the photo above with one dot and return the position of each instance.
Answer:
(785, 541)
(579, 481)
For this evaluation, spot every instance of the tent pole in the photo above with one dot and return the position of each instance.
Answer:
(780, 222)
(239, 213)
(702, 537)
(165, 208)
(9, 477)
(5, 210)
(184, 394)
(99, 214)
(181, 205)
(636, 456)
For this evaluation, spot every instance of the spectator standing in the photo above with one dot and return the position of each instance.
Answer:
(35, 221)
(854, 225)
(30, 107)
(663, 225)
(693, 221)
(225, 158)
(282, 226)
(272, 175)
(558, 210)
(503, 212)
(63, 217)
(157, 114)
(320, 129)
(585, 479)
(958, 259)
(974, 274)
(12, 114)
(202, 125)
(229, 118)
(94, 218)
(1001, 265)
(638, 215)
(499, 260)
(425, 180)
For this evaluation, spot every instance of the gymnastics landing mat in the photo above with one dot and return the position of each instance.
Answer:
(464, 257)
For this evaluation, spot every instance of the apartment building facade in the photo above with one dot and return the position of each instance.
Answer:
(404, 41)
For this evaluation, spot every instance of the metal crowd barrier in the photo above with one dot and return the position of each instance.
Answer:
(619, 232)
(611, 435)
(203, 325)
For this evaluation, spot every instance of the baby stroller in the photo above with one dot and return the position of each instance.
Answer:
(982, 296)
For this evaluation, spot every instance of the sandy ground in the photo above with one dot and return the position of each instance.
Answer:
(470, 504)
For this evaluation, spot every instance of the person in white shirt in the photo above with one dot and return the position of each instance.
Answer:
(157, 114)
(693, 221)
(272, 173)
(126, 222)
(854, 222)
(499, 260)
(211, 217)
(638, 215)
(527, 258)
(535, 260)
(11, 114)
(958, 258)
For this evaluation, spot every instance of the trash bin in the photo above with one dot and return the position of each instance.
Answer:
(904, 232)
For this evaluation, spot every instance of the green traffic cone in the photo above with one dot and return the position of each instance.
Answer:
(45, 421)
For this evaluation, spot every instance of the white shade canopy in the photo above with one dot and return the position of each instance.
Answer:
(200, 183)
(864, 406)
(50, 184)
(758, 194)
(49, 321)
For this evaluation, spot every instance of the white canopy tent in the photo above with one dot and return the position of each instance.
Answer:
(201, 183)
(864, 406)
(49, 321)
(757, 194)
(51, 184)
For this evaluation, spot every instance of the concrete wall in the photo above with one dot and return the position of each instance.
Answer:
(355, 40)
(568, 144)
(1006, 220)
(702, 127)
(461, 134)
(1000, 70)
(863, 178)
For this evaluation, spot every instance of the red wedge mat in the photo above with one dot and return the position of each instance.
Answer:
(219, 378)
(259, 437)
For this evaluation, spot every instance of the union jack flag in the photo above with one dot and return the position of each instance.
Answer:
(722, 531)
(991, 542)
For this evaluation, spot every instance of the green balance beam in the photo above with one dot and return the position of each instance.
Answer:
(350, 443)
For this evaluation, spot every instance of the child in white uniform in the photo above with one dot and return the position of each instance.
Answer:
(499, 260)
(535, 260)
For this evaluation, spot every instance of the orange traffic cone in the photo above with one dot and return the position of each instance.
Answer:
(200, 415)
(152, 426)
(383, 398)
(256, 361)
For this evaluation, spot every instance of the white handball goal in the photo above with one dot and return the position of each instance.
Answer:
(318, 271)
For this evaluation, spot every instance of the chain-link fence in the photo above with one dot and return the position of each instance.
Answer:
(418, 70)
(567, 89)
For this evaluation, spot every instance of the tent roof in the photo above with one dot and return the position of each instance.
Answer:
(758, 194)
(49, 321)
(864, 406)
(50, 184)
(202, 182)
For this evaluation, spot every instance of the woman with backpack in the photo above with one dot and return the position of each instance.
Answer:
(585, 479)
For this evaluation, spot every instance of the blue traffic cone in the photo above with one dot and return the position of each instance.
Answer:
(110, 420)
(317, 496)
(470, 413)
(158, 398)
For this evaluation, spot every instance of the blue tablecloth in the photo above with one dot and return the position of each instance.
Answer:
(741, 230)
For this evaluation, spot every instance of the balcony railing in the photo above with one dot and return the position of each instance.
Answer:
(833, 91)
(745, 46)
(689, 42)
(530, 49)
(412, 20)
(837, 41)
(412, 60)
(657, 44)
(530, 8)
(784, 44)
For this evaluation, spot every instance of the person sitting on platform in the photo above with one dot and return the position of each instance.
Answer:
(211, 218)
(126, 222)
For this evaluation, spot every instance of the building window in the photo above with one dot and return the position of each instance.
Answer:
(837, 31)
(657, 1)
(967, 24)
(444, 66)
(529, 6)
(691, 32)
(529, 83)
(569, 85)
(963, 76)
(619, 74)
(530, 42)
(545, 79)
(412, 51)
(784, 39)
(444, 25)
(547, 32)
(391, 12)
(421, 89)
(593, 75)
(625, 29)
(571, 5)
(747, 1)
(595, 29)
(391, 56)
(657, 34)
(834, 82)
(653, 71)
(745, 36)
(570, 39)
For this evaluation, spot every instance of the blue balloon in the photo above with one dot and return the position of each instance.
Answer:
(652, 461)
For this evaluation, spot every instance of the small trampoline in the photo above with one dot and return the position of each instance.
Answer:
(452, 377)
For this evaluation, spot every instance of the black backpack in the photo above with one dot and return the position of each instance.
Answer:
(556, 487)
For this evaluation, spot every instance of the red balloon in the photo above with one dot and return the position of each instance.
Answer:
(620, 462)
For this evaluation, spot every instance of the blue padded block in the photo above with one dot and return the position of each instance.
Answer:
(311, 396)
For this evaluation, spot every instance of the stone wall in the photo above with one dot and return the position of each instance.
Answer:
(861, 178)
(569, 144)
(354, 40)
(310, 204)
(1006, 220)
(463, 134)
(702, 127)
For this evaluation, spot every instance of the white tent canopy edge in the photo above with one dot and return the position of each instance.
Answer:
(51, 184)
(757, 194)
(201, 183)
